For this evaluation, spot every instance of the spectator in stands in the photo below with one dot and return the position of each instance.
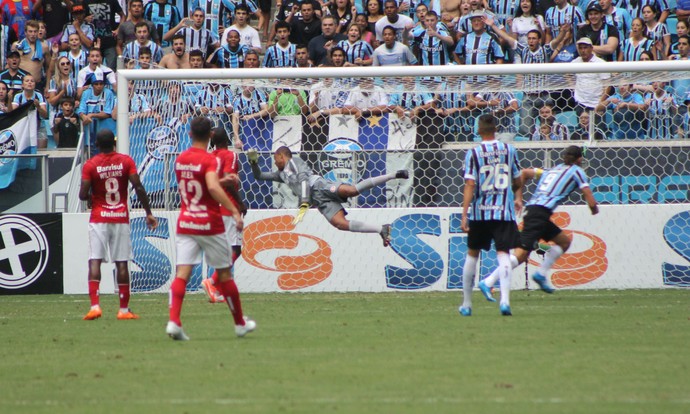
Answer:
(96, 104)
(178, 58)
(231, 8)
(302, 57)
(289, 10)
(366, 34)
(366, 100)
(661, 109)
(392, 52)
(215, 102)
(415, 34)
(636, 8)
(478, 47)
(343, 12)
(126, 33)
(436, 42)
(164, 17)
(681, 30)
(281, 54)
(581, 132)
(357, 51)
(196, 59)
(400, 23)
(545, 132)
(103, 14)
(80, 27)
(632, 47)
(589, 87)
(304, 29)
(58, 11)
(197, 37)
(560, 14)
(13, 75)
(35, 54)
(143, 40)
(250, 104)
(617, 17)
(249, 36)
(408, 103)
(604, 36)
(320, 45)
(328, 96)
(66, 125)
(374, 13)
(62, 84)
(139, 106)
(231, 55)
(546, 112)
(84, 78)
(657, 32)
(214, 12)
(503, 106)
(29, 94)
(78, 57)
(173, 105)
(7, 38)
(683, 11)
(628, 109)
(526, 19)
(5, 102)
(17, 13)
(452, 106)
(287, 101)
(464, 24)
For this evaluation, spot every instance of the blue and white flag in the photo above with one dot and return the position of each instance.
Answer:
(18, 135)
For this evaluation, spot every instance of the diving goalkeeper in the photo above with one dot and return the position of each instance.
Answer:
(326, 195)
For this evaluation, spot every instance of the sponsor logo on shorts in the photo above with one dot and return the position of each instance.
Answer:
(268, 245)
(24, 253)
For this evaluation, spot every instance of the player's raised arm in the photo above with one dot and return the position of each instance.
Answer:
(253, 157)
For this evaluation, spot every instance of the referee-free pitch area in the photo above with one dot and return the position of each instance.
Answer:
(411, 352)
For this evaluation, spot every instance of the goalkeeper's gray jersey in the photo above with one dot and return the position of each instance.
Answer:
(296, 174)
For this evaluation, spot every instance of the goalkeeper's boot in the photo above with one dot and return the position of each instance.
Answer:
(505, 310)
(486, 291)
(213, 295)
(93, 314)
(402, 174)
(242, 330)
(386, 235)
(175, 332)
(465, 311)
(543, 284)
(126, 315)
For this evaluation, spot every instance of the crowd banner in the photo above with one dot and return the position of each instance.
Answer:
(18, 135)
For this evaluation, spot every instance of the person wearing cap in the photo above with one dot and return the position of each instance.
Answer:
(604, 37)
(478, 47)
(85, 30)
(554, 186)
(590, 89)
(13, 75)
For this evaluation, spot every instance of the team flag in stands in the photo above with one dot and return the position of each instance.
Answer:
(18, 135)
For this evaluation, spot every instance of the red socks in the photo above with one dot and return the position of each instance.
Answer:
(232, 297)
(177, 291)
(124, 295)
(93, 291)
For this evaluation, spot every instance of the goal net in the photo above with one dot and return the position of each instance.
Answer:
(353, 123)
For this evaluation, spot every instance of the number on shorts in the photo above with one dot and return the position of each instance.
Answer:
(497, 177)
(192, 188)
(112, 191)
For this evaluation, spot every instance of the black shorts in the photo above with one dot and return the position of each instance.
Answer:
(265, 7)
(537, 225)
(503, 233)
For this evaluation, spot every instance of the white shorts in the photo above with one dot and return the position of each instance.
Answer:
(110, 237)
(216, 249)
(234, 235)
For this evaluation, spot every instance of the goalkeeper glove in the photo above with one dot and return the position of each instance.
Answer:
(302, 211)
(253, 156)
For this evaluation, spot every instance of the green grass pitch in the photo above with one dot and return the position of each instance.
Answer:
(570, 352)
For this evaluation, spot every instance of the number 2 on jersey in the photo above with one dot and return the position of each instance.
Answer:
(497, 177)
(192, 188)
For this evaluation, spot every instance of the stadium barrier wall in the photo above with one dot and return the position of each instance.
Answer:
(633, 246)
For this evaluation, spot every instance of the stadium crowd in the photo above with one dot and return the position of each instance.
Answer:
(62, 55)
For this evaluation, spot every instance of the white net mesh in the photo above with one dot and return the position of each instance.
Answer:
(348, 129)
